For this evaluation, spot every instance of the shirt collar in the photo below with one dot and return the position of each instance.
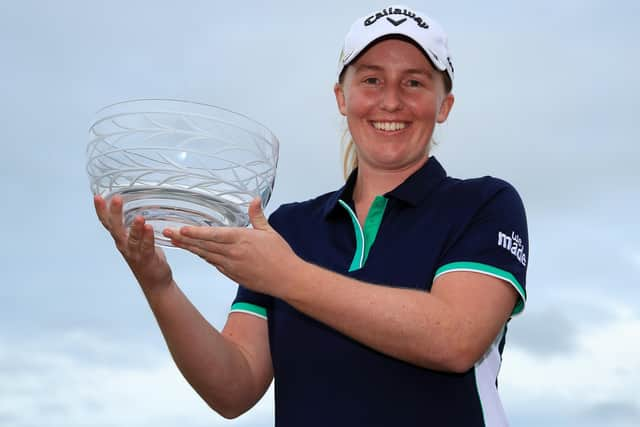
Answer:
(343, 193)
(412, 191)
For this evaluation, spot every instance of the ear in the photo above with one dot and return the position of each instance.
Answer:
(340, 99)
(445, 108)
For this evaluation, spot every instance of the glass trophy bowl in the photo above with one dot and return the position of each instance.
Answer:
(180, 163)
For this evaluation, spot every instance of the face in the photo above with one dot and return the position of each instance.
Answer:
(392, 98)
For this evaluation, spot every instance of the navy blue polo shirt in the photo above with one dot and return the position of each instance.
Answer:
(429, 225)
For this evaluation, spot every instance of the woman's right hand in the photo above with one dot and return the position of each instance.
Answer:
(147, 262)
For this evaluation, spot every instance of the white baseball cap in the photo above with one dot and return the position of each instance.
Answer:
(403, 21)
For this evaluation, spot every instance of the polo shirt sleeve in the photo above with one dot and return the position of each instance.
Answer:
(250, 302)
(494, 242)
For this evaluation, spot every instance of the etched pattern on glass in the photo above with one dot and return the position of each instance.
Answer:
(180, 157)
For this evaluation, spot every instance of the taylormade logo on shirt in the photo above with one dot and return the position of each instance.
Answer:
(514, 245)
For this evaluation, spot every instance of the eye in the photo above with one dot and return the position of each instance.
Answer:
(371, 81)
(414, 83)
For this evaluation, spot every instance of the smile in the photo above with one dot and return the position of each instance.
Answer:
(389, 126)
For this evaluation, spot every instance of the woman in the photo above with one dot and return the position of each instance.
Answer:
(383, 303)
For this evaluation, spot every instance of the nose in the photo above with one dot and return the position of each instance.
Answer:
(391, 98)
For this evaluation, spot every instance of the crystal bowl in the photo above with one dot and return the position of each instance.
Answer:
(180, 163)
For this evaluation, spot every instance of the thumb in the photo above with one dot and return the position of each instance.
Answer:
(256, 215)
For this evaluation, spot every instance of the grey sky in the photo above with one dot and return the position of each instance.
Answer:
(546, 98)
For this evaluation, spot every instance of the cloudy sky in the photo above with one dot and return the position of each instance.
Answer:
(546, 97)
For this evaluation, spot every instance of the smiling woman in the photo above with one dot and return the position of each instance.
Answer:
(382, 303)
(392, 97)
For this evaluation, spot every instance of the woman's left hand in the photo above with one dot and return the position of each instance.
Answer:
(258, 257)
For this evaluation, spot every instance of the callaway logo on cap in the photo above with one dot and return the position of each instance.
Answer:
(398, 20)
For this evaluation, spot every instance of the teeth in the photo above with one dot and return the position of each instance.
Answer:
(389, 126)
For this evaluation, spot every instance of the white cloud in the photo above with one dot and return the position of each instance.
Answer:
(80, 379)
(86, 381)
(602, 372)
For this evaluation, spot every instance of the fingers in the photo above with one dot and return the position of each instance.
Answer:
(147, 246)
(115, 218)
(139, 240)
(256, 215)
(216, 259)
(201, 243)
(136, 232)
(101, 210)
(194, 237)
(137, 245)
(110, 215)
(220, 235)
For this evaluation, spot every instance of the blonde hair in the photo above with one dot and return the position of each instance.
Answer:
(349, 154)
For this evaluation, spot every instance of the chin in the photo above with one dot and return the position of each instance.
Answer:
(398, 162)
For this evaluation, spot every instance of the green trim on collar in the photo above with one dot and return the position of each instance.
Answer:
(491, 271)
(358, 256)
(372, 223)
(367, 235)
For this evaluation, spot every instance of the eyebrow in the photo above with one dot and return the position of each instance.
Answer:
(422, 71)
(370, 67)
(367, 67)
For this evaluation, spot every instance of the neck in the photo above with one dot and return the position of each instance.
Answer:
(372, 182)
